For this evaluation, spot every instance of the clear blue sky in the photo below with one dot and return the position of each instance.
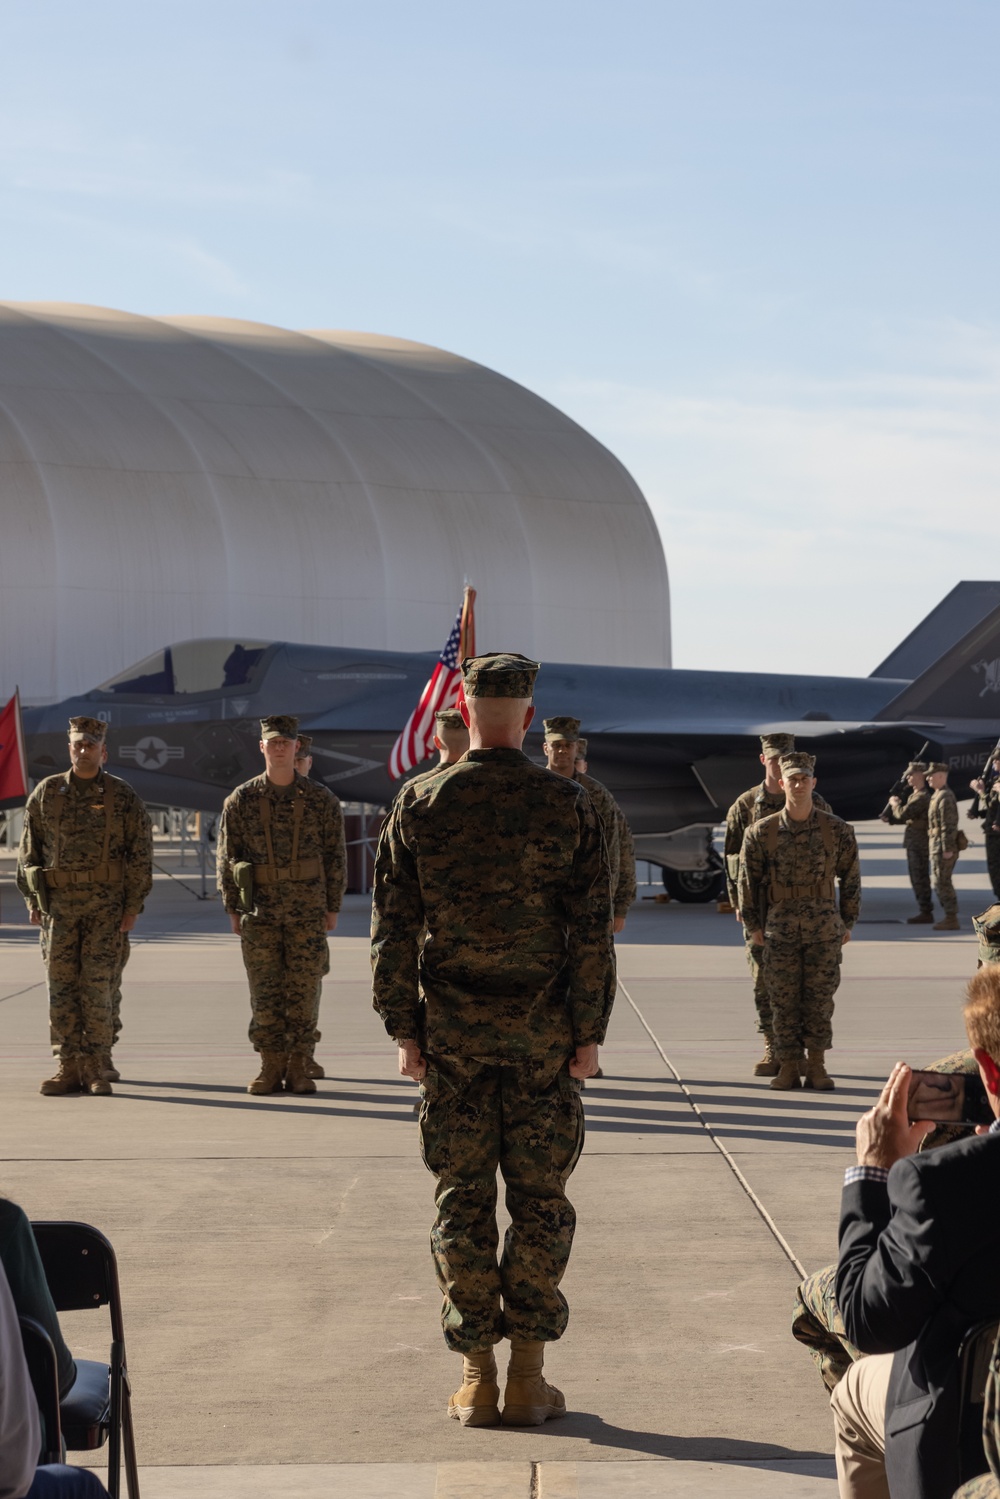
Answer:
(751, 244)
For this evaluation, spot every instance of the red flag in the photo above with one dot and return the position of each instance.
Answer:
(13, 764)
(416, 741)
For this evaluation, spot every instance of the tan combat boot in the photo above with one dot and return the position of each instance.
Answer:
(91, 1079)
(297, 1079)
(922, 918)
(768, 1064)
(272, 1070)
(528, 1399)
(314, 1068)
(477, 1403)
(66, 1080)
(816, 1074)
(948, 924)
(787, 1077)
(109, 1071)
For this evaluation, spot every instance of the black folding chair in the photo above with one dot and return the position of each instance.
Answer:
(974, 1356)
(40, 1356)
(82, 1273)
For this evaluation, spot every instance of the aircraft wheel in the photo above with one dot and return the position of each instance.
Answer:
(694, 886)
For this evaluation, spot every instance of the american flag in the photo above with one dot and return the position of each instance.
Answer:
(442, 690)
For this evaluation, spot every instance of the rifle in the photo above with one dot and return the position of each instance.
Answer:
(899, 788)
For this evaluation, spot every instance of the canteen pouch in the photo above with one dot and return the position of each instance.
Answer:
(243, 876)
(961, 841)
(34, 874)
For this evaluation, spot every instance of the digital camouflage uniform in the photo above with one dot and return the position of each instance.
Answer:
(124, 953)
(987, 929)
(991, 834)
(787, 889)
(98, 869)
(618, 837)
(816, 1319)
(914, 814)
(627, 887)
(298, 878)
(747, 810)
(504, 864)
(942, 828)
(617, 833)
(987, 1485)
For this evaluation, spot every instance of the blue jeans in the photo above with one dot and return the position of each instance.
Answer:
(56, 1481)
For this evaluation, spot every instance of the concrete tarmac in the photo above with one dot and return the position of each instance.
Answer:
(281, 1311)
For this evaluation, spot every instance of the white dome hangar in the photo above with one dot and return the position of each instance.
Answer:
(163, 479)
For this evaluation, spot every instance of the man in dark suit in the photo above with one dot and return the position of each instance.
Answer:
(919, 1256)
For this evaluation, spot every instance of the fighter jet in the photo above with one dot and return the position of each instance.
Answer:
(674, 746)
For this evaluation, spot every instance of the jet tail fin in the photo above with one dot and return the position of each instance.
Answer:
(948, 623)
(964, 683)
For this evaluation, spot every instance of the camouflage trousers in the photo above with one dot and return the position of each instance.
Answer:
(993, 859)
(755, 962)
(802, 977)
(919, 867)
(124, 954)
(285, 960)
(816, 1322)
(526, 1119)
(81, 942)
(983, 1487)
(986, 1486)
(942, 870)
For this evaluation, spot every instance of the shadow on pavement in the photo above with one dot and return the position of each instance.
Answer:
(586, 1425)
(303, 1105)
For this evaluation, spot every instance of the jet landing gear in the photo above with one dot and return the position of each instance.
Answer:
(694, 886)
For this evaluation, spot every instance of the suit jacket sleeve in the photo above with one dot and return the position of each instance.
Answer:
(892, 1263)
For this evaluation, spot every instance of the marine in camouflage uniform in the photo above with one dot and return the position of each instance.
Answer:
(791, 864)
(987, 929)
(303, 767)
(504, 867)
(561, 745)
(451, 740)
(627, 887)
(942, 828)
(749, 808)
(282, 868)
(988, 791)
(914, 814)
(85, 866)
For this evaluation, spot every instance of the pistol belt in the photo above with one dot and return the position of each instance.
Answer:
(279, 874)
(104, 874)
(822, 891)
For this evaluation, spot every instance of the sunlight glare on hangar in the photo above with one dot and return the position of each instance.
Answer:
(165, 479)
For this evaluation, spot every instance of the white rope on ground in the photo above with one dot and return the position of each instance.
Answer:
(727, 1157)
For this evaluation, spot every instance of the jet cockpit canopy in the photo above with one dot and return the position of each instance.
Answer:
(193, 666)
